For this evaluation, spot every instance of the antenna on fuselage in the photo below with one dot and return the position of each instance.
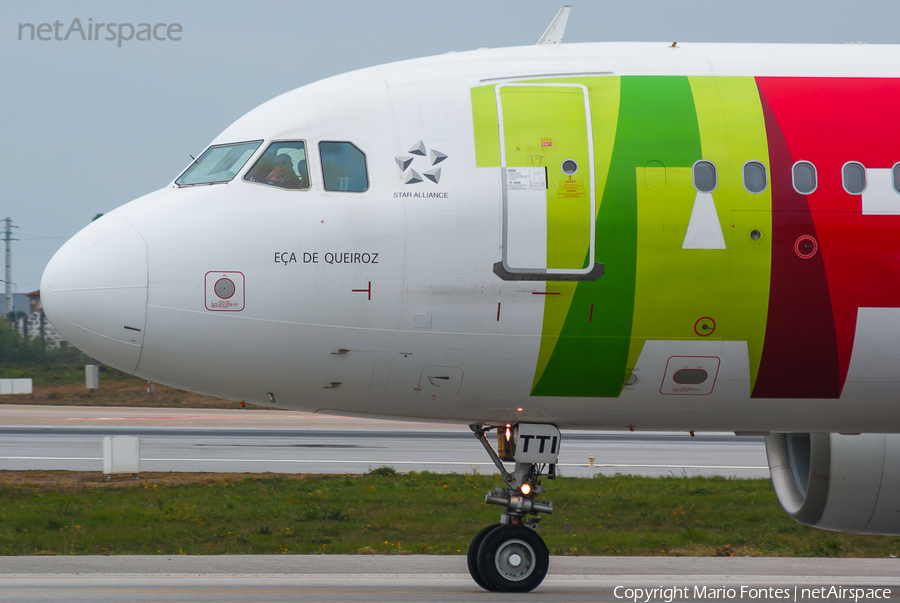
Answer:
(557, 28)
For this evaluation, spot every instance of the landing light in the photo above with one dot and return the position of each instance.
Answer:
(526, 489)
(508, 432)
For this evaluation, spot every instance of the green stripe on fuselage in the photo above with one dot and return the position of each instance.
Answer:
(593, 332)
(656, 123)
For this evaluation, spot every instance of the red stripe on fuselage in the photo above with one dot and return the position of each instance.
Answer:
(799, 358)
(830, 121)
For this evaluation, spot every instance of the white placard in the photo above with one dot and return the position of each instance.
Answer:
(536, 443)
(9, 387)
(518, 179)
(526, 179)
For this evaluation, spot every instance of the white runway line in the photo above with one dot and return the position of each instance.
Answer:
(50, 458)
(351, 462)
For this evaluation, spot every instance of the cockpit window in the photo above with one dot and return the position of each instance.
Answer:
(282, 165)
(218, 164)
(344, 167)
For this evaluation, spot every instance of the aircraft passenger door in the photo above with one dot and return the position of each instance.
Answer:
(547, 163)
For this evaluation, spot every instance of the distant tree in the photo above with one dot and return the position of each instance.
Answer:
(16, 350)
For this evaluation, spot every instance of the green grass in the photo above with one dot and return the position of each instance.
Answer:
(412, 513)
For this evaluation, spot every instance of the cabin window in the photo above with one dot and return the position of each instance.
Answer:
(218, 164)
(705, 176)
(897, 177)
(344, 167)
(755, 177)
(854, 177)
(804, 175)
(282, 165)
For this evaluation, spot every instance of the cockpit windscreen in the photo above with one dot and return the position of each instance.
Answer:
(218, 164)
(282, 165)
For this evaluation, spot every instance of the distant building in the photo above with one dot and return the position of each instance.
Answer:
(21, 303)
(30, 320)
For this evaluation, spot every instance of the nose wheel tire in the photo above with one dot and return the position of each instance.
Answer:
(511, 558)
(472, 556)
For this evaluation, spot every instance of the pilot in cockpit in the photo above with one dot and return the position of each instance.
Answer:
(282, 173)
(282, 165)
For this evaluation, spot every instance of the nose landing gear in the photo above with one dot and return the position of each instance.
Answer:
(510, 556)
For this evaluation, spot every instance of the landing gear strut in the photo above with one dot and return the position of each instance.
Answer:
(510, 556)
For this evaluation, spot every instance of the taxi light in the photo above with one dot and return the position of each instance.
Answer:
(508, 432)
(526, 489)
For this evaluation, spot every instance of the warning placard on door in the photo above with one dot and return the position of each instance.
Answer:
(571, 189)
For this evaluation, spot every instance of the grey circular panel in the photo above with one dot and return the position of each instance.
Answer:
(569, 166)
(224, 288)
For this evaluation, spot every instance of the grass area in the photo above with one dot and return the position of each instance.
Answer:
(57, 376)
(383, 512)
(63, 385)
(62, 374)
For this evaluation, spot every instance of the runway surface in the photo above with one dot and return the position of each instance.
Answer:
(70, 438)
(254, 441)
(430, 578)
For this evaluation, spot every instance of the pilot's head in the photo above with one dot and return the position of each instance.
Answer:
(282, 169)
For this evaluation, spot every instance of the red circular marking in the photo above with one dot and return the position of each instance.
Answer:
(709, 331)
(806, 247)
(216, 288)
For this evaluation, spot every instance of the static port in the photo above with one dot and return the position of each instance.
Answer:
(224, 288)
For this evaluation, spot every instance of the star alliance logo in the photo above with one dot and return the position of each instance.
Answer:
(411, 176)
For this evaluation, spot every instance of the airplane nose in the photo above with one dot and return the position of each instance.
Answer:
(94, 291)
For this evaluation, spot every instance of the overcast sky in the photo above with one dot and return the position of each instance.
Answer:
(88, 125)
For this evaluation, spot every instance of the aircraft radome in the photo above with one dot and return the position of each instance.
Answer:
(643, 236)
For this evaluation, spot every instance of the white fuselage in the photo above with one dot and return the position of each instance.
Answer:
(383, 303)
